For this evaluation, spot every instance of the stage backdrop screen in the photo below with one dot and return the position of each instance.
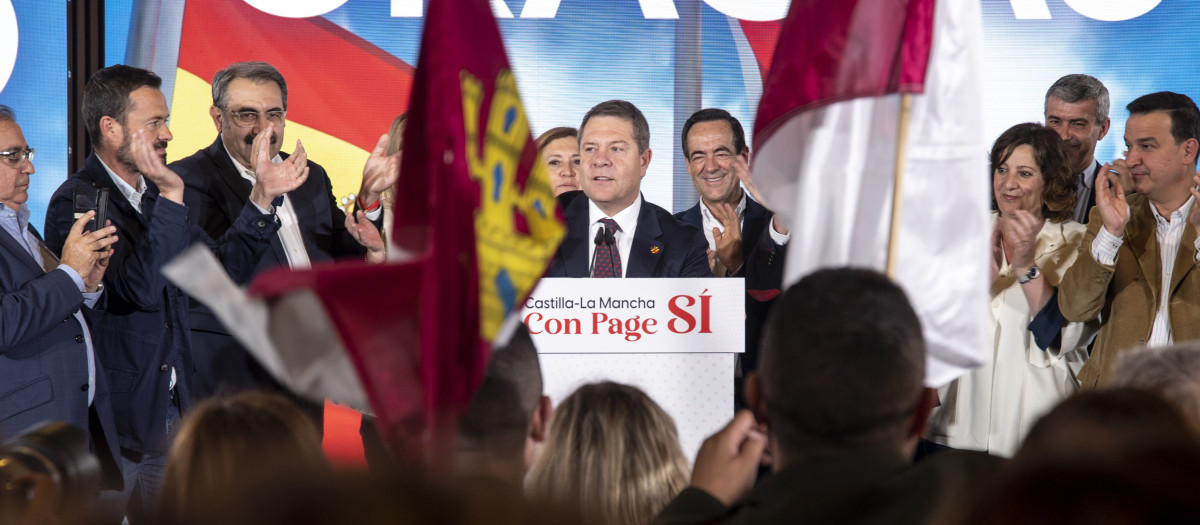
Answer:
(33, 82)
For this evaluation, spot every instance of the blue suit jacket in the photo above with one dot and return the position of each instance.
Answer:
(681, 248)
(43, 357)
(143, 331)
(217, 193)
(762, 266)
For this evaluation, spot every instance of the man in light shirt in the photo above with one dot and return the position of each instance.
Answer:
(142, 336)
(1136, 267)
(611, 230)
(745, 239)
(249, 111)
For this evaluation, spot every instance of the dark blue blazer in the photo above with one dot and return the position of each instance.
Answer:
(143, 331)
(43, 357)
(762, 266)
(217, 193)
(681, 250)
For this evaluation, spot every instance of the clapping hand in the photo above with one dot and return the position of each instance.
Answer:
(379, 173)
(273, 180)
(150, 163)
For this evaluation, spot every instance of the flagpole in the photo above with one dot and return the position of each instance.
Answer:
(898, 181)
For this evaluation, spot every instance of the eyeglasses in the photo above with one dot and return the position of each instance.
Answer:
(16, 157)
(247, 119)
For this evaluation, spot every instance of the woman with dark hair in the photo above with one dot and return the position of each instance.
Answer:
(1035, 352)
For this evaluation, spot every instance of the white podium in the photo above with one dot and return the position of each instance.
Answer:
(673, 338)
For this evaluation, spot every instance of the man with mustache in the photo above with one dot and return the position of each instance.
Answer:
(142, 335)
(611, 230)
(1136, 268)
(745, 239)
(249, 111)
(1076, 108)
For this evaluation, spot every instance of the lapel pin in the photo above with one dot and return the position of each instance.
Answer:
(655, 250)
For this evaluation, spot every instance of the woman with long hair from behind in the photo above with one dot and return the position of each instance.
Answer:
(230, 448)
(611, 453)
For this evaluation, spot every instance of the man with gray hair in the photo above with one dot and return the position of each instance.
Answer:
(1076, 108)
(1172, 372)
(249, 109)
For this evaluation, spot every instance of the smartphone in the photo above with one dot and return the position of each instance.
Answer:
(92, 199)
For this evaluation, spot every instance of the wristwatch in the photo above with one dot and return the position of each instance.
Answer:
(1032, 274)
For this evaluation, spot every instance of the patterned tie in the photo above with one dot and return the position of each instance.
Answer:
(608, 260)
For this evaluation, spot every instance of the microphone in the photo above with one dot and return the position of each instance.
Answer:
(610, 237)
(601, 237)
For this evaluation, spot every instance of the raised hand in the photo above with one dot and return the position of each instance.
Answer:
(88, 253)
(729, 244)
(1123, 174)
(150, 164)
(728, 460)
(1110, 199)
(273, 180)
(380, 172)
(1019, 230)
(742, 170)
(367, 235)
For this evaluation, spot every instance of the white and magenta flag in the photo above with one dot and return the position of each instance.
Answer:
(827, 140)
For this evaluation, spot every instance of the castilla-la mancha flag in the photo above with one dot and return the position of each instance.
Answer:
(830, 139)
(475, 211)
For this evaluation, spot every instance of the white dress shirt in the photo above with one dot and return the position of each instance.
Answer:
(626, 219)
(1169, 231)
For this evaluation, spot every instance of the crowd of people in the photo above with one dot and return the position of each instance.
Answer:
(1087, 409)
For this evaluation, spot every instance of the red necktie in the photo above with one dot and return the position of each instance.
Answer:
(608, 260)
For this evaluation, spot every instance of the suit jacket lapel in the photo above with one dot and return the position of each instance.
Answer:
(575, 247)
(1185, 258)
(229, 176)
(9, 243)
(643, 257)
(1144, 244)
(93, 172)
(49, 259)
(755, 221)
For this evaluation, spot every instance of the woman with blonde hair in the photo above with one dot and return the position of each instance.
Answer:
(612, 453)
(559, 152)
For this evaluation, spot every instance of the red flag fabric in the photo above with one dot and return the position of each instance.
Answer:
(474, 205)
(833, 51)
(832, 160)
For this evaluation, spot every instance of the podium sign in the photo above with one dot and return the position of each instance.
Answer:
(578, 316)
(673, 338)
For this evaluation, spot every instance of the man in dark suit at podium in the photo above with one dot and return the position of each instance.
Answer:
(613, 232)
